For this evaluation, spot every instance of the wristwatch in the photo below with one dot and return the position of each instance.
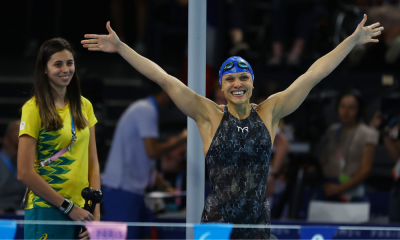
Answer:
(66, 206)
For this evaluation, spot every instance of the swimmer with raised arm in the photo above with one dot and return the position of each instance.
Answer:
(237, 138)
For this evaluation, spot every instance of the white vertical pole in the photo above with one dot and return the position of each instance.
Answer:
(197, 82)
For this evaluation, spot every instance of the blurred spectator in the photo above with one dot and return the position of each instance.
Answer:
(118, 17)
(130, 166)
(217, 95)
(300, 14)
(11, 189)
(280, 147)
(229, 14)
(173, 167)
(265, 90)
(391, 139)
(348, 149)
(280, 151)
(387, 13)
(235, 21)
(173, 160)
(225, 22)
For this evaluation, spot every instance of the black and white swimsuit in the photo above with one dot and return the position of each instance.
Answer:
(238, 163)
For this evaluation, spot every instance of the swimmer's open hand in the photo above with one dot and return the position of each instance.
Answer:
(365, 35)
(105, 43)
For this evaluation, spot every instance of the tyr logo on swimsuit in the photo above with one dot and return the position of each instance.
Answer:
(245, 128)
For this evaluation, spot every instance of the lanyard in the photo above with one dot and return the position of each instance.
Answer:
(154, 102)
(339, 152)
(73, 133)
(6, 160)
(60, 153)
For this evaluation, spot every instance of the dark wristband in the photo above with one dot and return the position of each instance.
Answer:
(69, 209)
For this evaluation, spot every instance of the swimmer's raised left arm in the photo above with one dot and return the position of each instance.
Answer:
(287, 101)
(190, 103)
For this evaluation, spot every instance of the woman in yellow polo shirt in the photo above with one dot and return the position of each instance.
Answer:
(57, 154)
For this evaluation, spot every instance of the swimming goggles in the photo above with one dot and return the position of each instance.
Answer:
(230, 65)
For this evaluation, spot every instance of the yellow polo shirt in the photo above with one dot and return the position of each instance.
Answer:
(68, 175)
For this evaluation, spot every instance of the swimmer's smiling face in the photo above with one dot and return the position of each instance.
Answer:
(237, 87)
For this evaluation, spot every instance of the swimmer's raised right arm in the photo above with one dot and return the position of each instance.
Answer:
(189, 102)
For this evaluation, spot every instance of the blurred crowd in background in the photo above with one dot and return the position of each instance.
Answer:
(342, 144)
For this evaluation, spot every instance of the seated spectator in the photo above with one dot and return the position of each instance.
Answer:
(391, 140)
(235, 22)
(348, 149)
(118, 9)
(280, 148)
(217, 95)
(387, 13)
(173, 168)
(11, 189)
(225, 27)
(285, 13)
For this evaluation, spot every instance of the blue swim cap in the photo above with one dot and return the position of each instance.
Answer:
(235, 64)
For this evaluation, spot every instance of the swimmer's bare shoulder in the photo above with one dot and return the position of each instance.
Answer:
(215, 113)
